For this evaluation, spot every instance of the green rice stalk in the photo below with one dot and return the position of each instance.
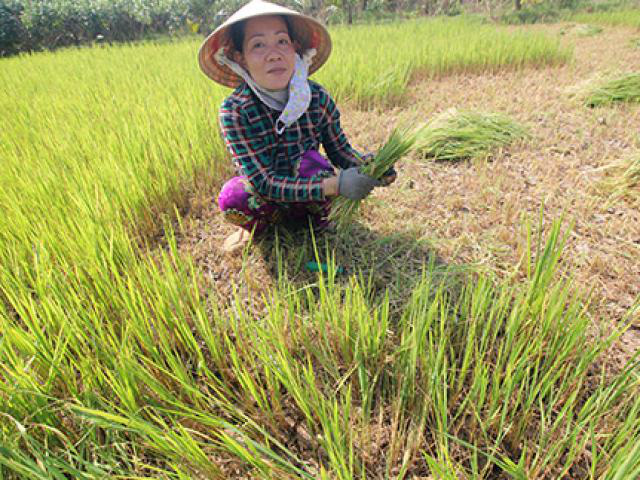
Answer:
(461, 135)
(625, 88)
(397, 146)
(627, 17)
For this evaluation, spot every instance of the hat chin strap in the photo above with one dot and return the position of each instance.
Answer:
(299, 92)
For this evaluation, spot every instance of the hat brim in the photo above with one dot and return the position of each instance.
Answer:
(308, 32)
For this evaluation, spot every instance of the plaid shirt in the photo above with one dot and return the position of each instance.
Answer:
(269, 160)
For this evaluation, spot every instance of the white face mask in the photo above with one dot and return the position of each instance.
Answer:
(292, 102)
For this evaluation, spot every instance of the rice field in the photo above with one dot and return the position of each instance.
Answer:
(120, 357)
(387, 61)
(626, 18)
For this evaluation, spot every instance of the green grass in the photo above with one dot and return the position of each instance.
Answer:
(115, 362)
(626, 18)
(108, 137)
(462, 135)
(622, 89)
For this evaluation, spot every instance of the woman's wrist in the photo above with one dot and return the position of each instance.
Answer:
(330, 186)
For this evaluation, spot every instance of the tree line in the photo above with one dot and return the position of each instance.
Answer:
(32, 25)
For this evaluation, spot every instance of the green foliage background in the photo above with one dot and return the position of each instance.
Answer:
(31, 25)
(48, 24)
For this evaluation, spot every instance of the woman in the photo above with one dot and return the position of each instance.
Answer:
(276, 119)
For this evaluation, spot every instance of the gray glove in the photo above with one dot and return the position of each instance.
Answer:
(355, 185)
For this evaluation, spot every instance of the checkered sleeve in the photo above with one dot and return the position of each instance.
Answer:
(335, 142)
(254, 157)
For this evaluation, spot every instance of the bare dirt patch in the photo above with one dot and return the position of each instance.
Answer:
(474, 212)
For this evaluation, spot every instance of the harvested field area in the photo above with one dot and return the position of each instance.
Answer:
(561, 168)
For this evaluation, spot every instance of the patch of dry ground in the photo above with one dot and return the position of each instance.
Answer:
(473, 212)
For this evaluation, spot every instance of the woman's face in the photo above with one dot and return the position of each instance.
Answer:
(267, 52)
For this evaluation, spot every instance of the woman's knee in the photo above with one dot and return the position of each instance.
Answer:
(241, 207)
(233, 195)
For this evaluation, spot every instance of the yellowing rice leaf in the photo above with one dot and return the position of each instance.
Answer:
(624, 179)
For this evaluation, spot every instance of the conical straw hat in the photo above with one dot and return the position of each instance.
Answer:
(309, 33)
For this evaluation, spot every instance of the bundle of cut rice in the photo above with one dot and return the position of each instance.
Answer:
(462, 135)
(625, 88)
(400, 142)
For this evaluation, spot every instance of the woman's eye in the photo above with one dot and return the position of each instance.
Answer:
(257, 45)
(284, 41)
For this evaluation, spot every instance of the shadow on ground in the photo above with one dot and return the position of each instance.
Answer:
(383, 263)
(382, 260)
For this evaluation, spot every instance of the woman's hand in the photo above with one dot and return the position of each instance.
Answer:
(389, 177)
(355, 185)
(330, 186)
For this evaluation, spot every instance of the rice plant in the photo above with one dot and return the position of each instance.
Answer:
(461, 135)
(398, 145)
(631, 176)
(587, 30)
(372, 66)
(325, 383)
(624, 88)
(627, 18)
